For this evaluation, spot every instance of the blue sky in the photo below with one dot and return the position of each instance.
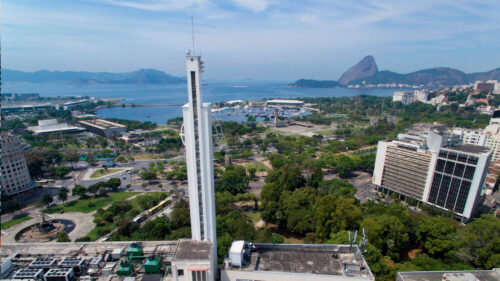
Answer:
(260, 39)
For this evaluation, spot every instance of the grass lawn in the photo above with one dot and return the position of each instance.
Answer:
(100, 231)
(147, 156)
(10, 223)
(259, 166)
(255, 216)
(104, 172)
(91, 204)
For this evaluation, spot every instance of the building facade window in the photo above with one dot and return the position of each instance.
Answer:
(452, 180)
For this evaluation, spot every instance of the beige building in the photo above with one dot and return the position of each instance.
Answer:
(15, 176)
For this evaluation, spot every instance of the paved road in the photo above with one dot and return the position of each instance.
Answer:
(365, 189)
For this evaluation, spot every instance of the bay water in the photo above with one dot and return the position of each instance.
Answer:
(177, 94)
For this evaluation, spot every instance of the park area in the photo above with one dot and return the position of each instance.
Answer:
(15, 221)
(104, 172)
(90, 204)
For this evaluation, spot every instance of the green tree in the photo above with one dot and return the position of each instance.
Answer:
(436, 235)
(493, 261)
(234, 179)
(387, 233)
(102, 191)
(180, 214)
(61, 171)
(113, 183)
(479, 241)
(63, 237)
(149, 176)
(252, 172)
(47, 199)
(344, 165)
(63, 194)
(79, 190)
(291, 177)
(333, 214)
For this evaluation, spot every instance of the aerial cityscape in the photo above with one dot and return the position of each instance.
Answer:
(251, 140)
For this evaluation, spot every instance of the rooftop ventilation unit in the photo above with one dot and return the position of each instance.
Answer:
(75, 263)
(60, 274)
(43, 263)
(29, 273)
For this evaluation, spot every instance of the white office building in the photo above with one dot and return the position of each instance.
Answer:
(434, 169)
(15, 175)
(197, 137)
(404, 97)
(50, 126)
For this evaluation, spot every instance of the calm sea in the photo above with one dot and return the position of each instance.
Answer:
(177, 94)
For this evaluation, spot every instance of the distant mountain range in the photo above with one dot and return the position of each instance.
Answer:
(142, 76)
(366, 71)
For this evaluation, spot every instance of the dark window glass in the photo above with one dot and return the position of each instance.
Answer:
(462, 158)
(452, 155)
(472, 160)
(459, 170)
(469, 172)
(436, 182)
(462, 196)
(443, 153)
(180, 272)
(448, 168)
(440, 165)
(443, 190)
(452, 193)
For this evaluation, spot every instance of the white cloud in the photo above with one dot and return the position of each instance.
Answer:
(253, 5)
(157, 5)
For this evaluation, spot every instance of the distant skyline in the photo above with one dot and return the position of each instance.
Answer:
(259, 39)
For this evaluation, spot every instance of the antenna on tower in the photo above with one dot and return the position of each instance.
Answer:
(192, 30)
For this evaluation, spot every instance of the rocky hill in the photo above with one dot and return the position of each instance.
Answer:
(366, 72)
(364, 68)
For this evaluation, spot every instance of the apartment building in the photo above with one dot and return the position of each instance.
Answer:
(471, 136)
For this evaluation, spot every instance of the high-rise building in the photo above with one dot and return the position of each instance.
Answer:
(197, 137)
(15, 175)
(428, 164)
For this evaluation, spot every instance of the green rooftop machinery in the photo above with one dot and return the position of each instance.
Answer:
(152, 265)
(134, 250)
(125, 268)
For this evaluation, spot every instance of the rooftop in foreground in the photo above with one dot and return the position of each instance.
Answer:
(465, 275)
(470, 148)
(339, 260)
(181, 248)
(190, 250)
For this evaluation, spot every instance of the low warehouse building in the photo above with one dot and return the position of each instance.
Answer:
(103, 127)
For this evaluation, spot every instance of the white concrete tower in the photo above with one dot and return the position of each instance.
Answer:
(199, 156)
